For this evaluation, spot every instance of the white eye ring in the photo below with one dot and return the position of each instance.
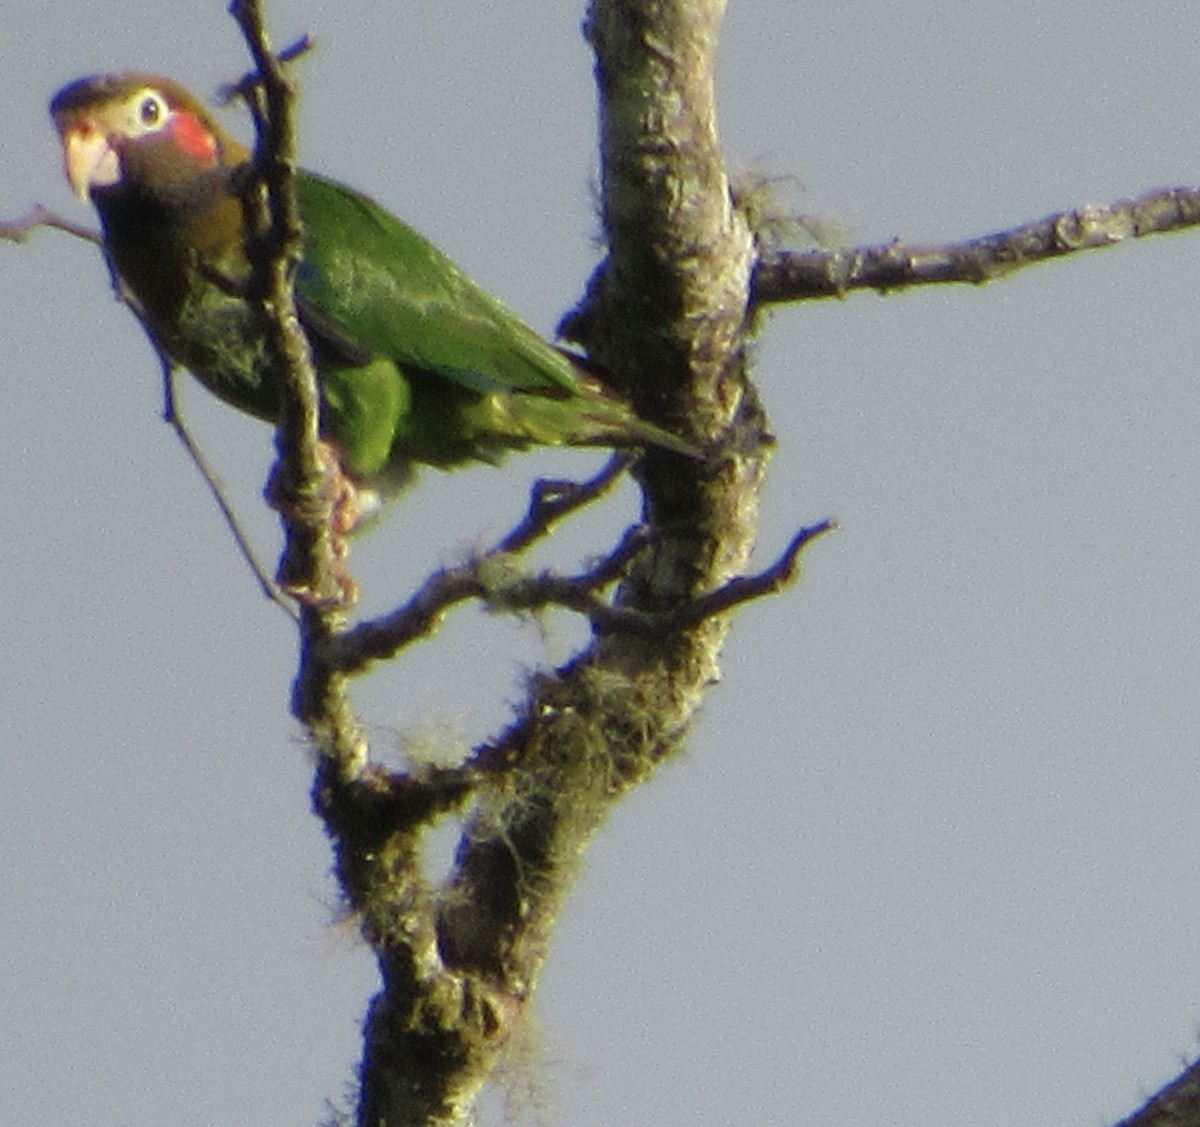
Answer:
(150, 111)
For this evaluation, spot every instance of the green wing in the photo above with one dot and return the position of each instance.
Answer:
(379, 289)
(418, 364)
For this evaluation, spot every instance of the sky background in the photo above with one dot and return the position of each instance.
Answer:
(932, 844)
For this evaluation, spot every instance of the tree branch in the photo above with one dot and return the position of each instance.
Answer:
(311, 565)
(174, 419)
(552, 501)
(786, 276)
(667, 312)
(19, 230)
(492, 577)
(1177, 1104)
(249, 86)
(734, 593)
(490, 580)
(311, 562)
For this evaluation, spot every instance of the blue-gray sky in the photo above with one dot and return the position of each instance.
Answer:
(931, 846)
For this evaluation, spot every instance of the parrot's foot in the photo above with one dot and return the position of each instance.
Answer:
(354, 506)
(351, 505)
(341, 507)
(337, 590)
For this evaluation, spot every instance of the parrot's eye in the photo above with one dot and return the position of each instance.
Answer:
(151, 110)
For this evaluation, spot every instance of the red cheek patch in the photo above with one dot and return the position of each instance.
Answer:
(193, 138)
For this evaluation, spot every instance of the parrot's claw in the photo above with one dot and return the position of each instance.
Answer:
(340, 591)
(342, 507)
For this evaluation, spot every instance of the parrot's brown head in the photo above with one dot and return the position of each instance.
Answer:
(161, 173)
(139, 134)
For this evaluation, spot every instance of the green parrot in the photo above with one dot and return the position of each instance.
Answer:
(416, 363)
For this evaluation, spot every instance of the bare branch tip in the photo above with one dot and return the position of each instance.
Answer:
(19, 230)
(812, 532)
(551, 501)
(246, 87)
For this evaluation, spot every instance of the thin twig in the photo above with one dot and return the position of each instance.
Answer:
(483, 579)
(19, 230)
(737, 591)
(608, 619)
(173, 417)
(252, 81)
(614, 566)
(575, 592)
(785, 276)
(552, 500)
(384, 637)
(355, 649)
(581, 593)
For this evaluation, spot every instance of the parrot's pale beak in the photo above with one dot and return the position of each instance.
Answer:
(89, 161)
